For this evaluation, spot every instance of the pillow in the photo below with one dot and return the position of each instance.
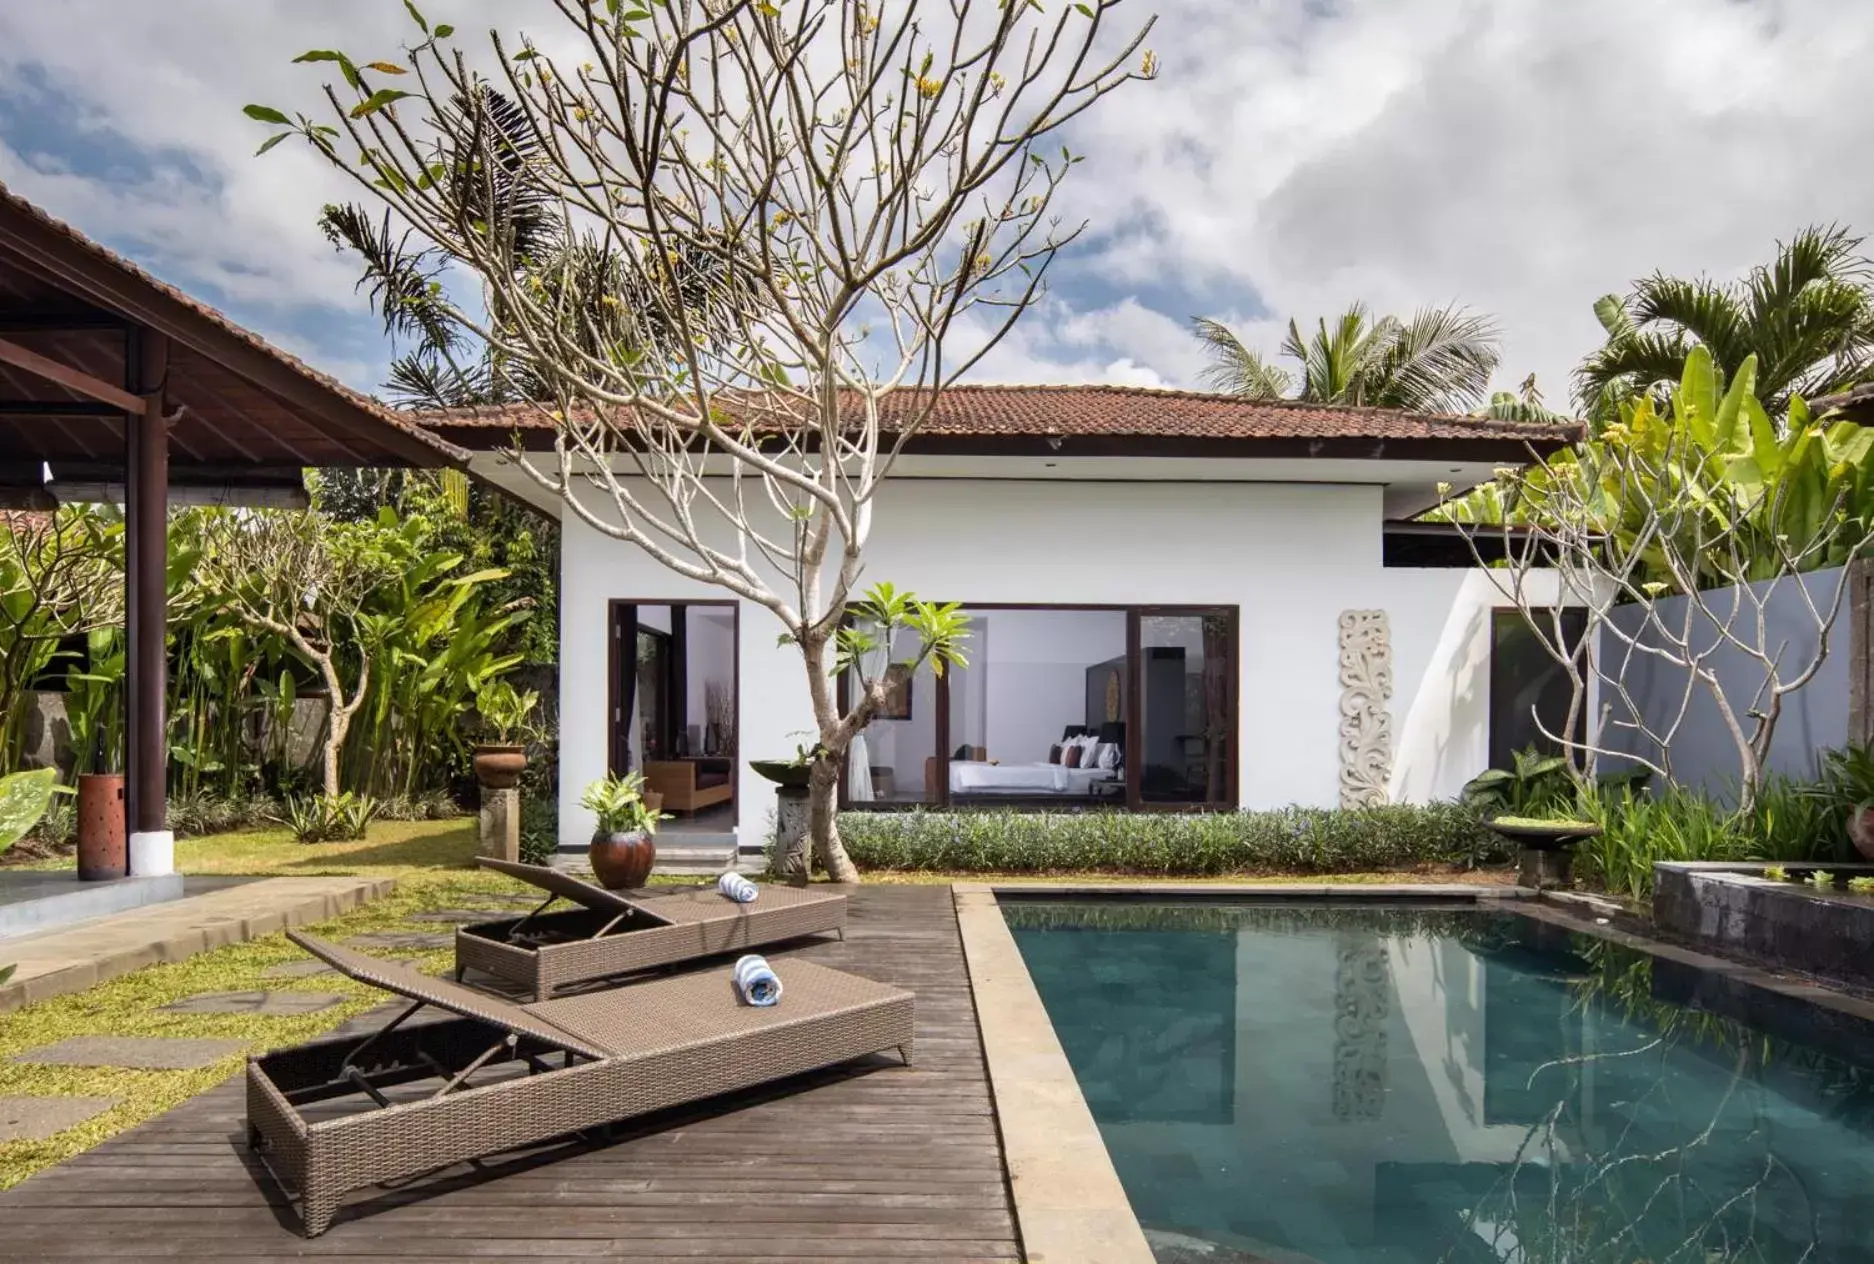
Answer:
(1109, 756)
(1070, 755)
(1089, 748)
(1054, 753)
(962, 754)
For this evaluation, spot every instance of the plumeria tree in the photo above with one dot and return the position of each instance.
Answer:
(732, 251)
(1674, 531)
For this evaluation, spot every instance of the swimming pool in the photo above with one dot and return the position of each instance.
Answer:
(1435, 1085)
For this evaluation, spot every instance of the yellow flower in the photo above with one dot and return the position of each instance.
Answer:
(928, 87)
(1148, 65)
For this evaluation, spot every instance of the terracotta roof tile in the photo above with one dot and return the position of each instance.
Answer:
(10, 201)
(1124, 412)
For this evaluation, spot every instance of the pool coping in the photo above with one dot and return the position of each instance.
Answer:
(1070, 1207)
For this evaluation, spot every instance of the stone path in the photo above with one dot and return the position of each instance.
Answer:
(36, 1118)
(142, 1053)
(77, 957)
(400, 939)
(274, 1003)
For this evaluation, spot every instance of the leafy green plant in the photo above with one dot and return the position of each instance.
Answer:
(1299, 840)
(1822, 880)
(540, 830)
(618, 803)
(328, 818)
(1776, 873)
(505, 712)
(1533, 785)
(24, 797)
(1861, 886)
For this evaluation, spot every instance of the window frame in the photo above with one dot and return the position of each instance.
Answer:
(1135, 664)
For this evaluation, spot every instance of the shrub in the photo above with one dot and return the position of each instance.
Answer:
(432, 805)
(1304, 840)
(540, 830)
(202, 812)
(321, 818)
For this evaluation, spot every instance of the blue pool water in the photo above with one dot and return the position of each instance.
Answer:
(1359, 1085)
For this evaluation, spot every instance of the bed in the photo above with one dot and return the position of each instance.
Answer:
(969, 777)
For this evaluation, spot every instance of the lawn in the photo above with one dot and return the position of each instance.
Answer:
(392, 849)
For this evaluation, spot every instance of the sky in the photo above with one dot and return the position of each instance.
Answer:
(1520, 157)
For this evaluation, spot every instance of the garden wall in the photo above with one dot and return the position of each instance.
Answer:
(1814, 718)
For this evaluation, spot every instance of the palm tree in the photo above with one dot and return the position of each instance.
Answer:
(1438, 361)
(1808, 317)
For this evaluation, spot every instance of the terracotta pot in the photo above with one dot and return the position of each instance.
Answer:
(1861, 831)
(623, 861)
(499, 767)
(102, 850)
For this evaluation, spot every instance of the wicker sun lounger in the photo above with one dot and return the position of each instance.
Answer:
(612, 933)
(541, 1071)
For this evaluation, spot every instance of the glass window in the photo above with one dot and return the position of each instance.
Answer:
(1529, 691)
(1187, 736)
(895, 759)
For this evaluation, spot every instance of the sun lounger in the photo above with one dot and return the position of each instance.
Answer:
(612, 933)
(501, 1076)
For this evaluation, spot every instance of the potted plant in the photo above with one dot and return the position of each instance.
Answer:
(623, 849)
(787, 773)
(504, 716)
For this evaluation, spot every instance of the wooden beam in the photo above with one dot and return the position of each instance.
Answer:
(57, 322)
(71, 379)
(58, 408)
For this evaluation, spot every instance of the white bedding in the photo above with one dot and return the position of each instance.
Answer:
(970, 777)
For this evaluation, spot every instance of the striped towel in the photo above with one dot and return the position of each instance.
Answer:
(737, 888)
(755, 983)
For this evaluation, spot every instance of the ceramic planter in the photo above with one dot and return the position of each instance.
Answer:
(623, 861)
(499, 767)
(782, 772)
(102, 850)
(1861, 831)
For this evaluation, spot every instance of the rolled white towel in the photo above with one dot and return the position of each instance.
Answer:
(737, 888)
(755, 983)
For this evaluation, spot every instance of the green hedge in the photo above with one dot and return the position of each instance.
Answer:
(1296, 840)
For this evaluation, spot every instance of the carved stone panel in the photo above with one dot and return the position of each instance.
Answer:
(1365, 724)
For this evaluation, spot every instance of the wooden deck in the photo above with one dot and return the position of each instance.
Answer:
(882, 1163)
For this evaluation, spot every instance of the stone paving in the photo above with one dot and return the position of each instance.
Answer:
(141, 1053)
(80, 956)
(401, 939)
(297, 969)
(269, 1003)
(36, 1118)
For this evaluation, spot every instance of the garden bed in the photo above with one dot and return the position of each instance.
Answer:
(1736, 909)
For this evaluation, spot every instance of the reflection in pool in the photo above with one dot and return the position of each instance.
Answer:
(1361, 1085)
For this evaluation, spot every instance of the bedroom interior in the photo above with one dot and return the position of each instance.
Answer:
(1044, 713)
(674, 708)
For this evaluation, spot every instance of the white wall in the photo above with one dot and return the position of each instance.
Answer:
(1290, 556)
(710, 656)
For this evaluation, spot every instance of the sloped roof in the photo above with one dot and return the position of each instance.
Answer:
(245, 402)
(1109, 413)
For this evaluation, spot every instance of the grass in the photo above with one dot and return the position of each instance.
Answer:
(131, 1006)
(392, 849)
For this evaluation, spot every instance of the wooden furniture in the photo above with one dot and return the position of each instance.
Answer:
(685, 788)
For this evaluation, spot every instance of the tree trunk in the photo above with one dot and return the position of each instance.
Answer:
(338, 721)
(823, 820)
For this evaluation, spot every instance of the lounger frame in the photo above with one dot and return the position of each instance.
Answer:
(553, 1089)
(613, 934)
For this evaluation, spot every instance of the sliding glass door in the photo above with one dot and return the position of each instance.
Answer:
(1063, 707)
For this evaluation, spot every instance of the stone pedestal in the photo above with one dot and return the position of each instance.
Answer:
(792, 816)
(1545, 867)
(500, 836)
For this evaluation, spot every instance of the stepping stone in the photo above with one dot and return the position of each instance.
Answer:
(296, 970)
(400, 939)
(36, 1118)
(255, 1003)
(141, 1053)
(460, 917)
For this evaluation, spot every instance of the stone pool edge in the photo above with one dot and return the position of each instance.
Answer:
(1069, 1204)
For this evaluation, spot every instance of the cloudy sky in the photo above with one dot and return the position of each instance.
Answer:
(1519, 156)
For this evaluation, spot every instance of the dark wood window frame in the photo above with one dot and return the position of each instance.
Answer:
(1135, 615)
(621, 631)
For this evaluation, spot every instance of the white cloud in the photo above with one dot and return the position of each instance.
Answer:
(1521, 158)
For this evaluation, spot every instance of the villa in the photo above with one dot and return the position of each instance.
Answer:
(1176, 601)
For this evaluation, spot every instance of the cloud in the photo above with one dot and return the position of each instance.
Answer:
(1519, 158)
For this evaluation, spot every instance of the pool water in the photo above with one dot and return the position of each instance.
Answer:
(1422, 1085)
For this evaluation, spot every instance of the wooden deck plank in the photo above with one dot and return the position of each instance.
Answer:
(887, 1162)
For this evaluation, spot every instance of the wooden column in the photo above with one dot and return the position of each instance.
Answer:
(1860, 613)
(146, 561)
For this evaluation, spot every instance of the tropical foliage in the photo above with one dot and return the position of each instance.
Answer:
(1438, 360)
(1806, 318)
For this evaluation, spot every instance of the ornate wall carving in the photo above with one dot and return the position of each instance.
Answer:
(1362, 1004)
(1365, 724)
